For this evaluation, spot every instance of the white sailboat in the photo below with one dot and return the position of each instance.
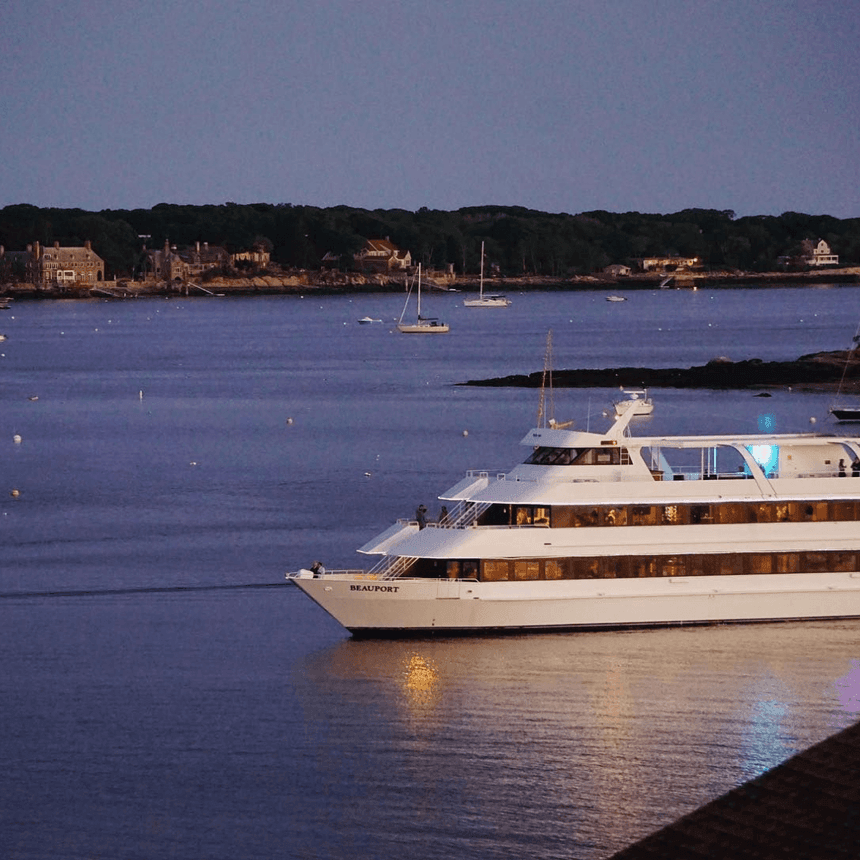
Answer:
(488, 301)
(423, 325)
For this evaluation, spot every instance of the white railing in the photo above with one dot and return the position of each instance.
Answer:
(391, 567)
(463, 515)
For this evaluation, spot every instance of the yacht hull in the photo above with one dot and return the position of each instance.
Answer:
(424, 607)
(486, 303)
(435, 328)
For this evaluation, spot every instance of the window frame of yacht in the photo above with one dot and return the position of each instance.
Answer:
(668, 566)
(684, 513)
(609, 455)
(531, 515)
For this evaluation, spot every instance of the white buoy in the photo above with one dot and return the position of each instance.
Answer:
(16, 439)
(15, 493)
(465, 432)
(140, 395)
(289, 420)
(812, 420)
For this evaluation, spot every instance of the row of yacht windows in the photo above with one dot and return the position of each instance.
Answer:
(574, 516)
(543, 456)
(640, 567)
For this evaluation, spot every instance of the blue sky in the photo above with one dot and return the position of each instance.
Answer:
(557, 105)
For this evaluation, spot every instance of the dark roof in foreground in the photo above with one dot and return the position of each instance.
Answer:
(807, 808)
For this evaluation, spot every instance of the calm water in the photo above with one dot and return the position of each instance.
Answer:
(165, 695)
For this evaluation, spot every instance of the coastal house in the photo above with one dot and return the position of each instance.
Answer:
(618, 270)
(58, 268)
(173, 264)
(665, 264)
(257, 256)
(381, 255)
(821, 255)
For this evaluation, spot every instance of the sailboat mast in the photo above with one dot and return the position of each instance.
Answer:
(482, 271)
(419, 292)
(546, 378)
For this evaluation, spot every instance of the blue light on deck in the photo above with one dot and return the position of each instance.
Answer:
(767, 456)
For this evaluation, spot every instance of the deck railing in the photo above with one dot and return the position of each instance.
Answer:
(461, 516)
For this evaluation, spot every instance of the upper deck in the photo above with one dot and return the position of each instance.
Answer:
(567, 466)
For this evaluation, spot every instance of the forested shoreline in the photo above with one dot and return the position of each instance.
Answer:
(519, 242)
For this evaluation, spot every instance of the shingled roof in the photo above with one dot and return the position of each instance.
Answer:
(807, 808)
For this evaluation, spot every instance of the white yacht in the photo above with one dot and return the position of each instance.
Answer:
(636, 399)
(608, 530)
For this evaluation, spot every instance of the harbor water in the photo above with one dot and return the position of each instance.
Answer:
(165, 693)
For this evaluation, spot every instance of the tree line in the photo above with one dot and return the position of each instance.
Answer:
(518, 241)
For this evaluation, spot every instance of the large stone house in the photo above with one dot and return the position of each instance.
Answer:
(58, 268)
(380, 255)
(172, 264)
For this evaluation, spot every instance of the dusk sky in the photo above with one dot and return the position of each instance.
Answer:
(556, 105)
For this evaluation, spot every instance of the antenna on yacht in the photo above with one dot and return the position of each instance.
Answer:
(547, 376)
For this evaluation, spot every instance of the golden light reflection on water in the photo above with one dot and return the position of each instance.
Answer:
(421, 684)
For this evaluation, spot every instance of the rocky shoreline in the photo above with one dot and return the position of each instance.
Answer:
(325, 282)
(822, 370)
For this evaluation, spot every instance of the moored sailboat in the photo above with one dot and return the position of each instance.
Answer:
(493, 300)
(422, 325)
(842, 408)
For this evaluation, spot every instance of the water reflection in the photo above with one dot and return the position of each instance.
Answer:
(848, 689)
(764, 741)
(421, 685)
(605, 736)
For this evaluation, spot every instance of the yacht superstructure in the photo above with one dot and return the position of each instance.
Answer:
(611, 530)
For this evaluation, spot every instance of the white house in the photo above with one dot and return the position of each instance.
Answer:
(821, 256)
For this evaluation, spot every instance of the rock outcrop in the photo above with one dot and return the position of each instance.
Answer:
(819, 370)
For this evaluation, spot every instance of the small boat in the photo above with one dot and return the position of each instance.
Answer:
(422, 325)
(368, 321)
(489, 300)
(616, 299)
(606, 530)
(636, 399)
(844, 410)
